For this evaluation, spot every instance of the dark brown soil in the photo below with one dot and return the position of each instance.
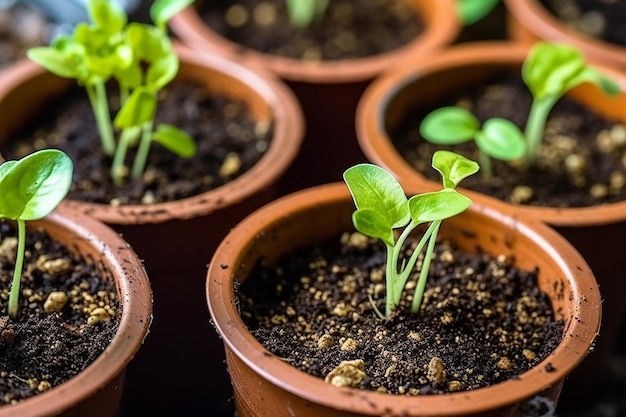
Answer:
(599, 19)
(21, 27)
(482, 320)
(42, 349)
(228, 139)
(581, 162)
(349, 29)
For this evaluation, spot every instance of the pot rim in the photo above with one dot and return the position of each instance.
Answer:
(220, 295)
(135, 298)
(288, 133)
(377, 146)
(536, 19)
(441, 30)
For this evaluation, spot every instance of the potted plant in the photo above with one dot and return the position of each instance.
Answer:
(328, 90)
(162, 233)
(80, 303)
(529, 21)
(421, 86)
(269, 383)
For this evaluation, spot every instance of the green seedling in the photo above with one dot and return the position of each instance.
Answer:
(140, 58)
(382, 207)
(549, 71)
(472, 11)
(303, 12)
(498, 138)
(30, 188)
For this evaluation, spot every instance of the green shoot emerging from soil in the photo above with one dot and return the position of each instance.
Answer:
(549, 71)
(472, 11)
(30, 188)
(382, 207)
(303, 12)
(140, 58)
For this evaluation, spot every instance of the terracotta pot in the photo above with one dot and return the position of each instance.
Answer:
(596, 232)
(265, 385)
(328, 91)
(176, 239)
(529, 21)
(97, 390)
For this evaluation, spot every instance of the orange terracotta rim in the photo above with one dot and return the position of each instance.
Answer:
(442, 27)
(220, 295)
(534, 18)
(100, 242)
(288, 131)
(378, 148)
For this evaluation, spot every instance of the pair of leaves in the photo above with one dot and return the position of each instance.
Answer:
(499, 138)
(30, 188)
(382, 205)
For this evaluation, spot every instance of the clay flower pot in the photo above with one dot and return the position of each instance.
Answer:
(596, 232)
(97, 390)
(328, 91)
(529, 21)
(265, 385)
(176, 239)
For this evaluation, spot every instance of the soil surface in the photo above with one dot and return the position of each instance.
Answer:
(21, 27)
(482, 321)
(344, 31)
(229, 142)
(581, 161)
(602, 19)
(68, 315)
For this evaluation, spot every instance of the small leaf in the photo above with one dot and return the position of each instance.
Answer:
(373, 224)
(147, 42)
(438, 205)
(33, 186)
(175, 140)
(453, 167)
(139, 108)
(57, 62)
(107, 15)
(608, 86)
(449, 126)
(162, 11)
(129, 77)
(375, 189)
(161, 72)
(471, 11)
(501, 139)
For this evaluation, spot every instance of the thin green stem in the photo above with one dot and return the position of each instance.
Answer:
(535, 126)
(100, 107)
(117, 168)
(144, 149)
(485, 164)
(390, 275)
(14, 295)
(421, 282)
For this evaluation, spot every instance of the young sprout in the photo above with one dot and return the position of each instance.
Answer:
(549, 71)
(498, 138)
(471, 11)
(140, 58)
(303, 12)
(382, 207)
(30, 188)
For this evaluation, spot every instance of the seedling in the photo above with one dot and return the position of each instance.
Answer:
(382, 207)
(549, 71)
(499, 138)
(140, 58)
(303, 12)
(30, 188)
(472, 11)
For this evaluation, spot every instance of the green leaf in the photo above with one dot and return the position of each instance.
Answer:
(608, 86)
(33, 186)
(549, 68)
(449, 126)
(453, 167)
(373, 224)
(107, 15)
(501, 139)
(375, 189)
(147, 42)
(139, 108)
(6, 167)
(57, 62)
(162, 11)
(129, 77)
(175, 140)
(161, 72)
(472, 11)
(438, 205)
